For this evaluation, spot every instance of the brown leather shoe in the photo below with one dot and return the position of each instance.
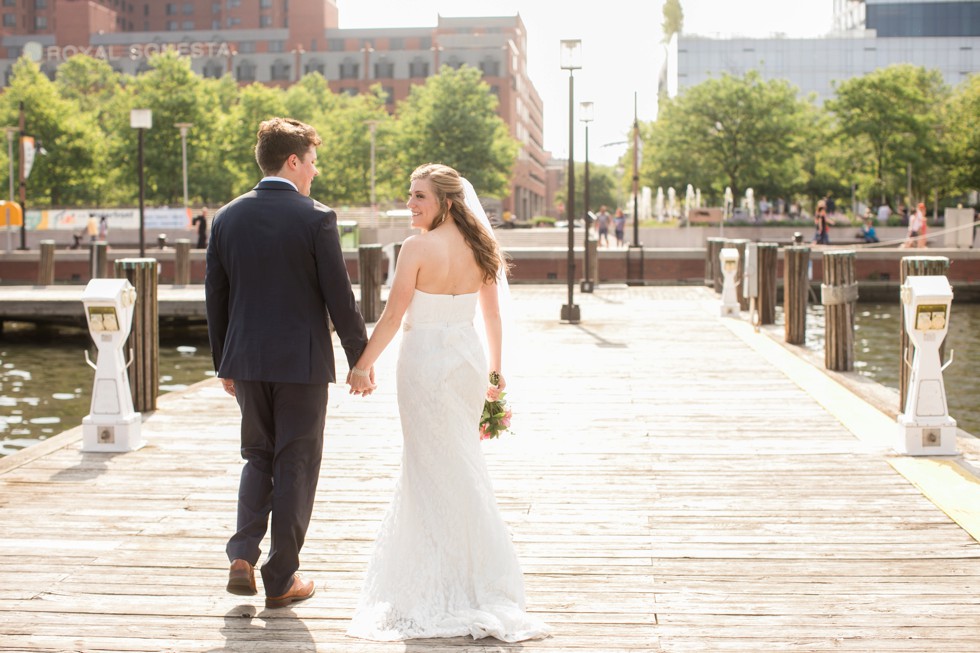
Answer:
(241, 578)
(300, 591)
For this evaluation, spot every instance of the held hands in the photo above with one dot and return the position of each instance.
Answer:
(361, 382)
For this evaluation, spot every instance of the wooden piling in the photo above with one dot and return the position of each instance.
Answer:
(796, 292)
(182, 262)
(914, 266)
(740, 245)
(768, 258)
(839, 293)
(143, 345)
(592, 274)
(713, 276)
(45, 268)
(369, 277)
(98, 260)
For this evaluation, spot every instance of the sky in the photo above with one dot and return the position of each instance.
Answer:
(621, 50)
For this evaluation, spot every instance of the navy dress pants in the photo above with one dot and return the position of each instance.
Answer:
(282, 443)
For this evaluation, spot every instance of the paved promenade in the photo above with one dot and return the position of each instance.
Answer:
(674, 482)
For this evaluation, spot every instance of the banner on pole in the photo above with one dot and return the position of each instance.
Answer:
(27, 143)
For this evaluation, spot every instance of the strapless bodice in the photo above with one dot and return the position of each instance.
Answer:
(429, 310)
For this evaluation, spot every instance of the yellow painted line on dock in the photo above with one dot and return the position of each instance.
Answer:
(943, 480)
(946, 483)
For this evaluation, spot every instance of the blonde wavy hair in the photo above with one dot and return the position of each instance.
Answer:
(447, 185)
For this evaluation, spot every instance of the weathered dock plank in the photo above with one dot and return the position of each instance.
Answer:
(674, 483)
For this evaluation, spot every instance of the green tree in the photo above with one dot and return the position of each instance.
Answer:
(345, 169)
(72, 171)
(256, 103)
(829, 163)
(174, 93)
(91, 83)
(673, 19)
(740, 132)
(602, 189)
(310, 99)
(452, 119)
(962, 135)
(217, 171)
(892, 115)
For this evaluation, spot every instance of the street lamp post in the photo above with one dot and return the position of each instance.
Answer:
(141, 120)
(11, 132)
(184, 127)
(372, 124)
(587, 111)
(571, 60)
(634, 270)
(22, 180)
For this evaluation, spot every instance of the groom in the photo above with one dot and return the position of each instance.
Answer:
(275, 276)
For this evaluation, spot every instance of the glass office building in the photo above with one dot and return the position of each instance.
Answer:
(866, 35)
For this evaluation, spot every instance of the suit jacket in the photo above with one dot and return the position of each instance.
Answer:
(275, 274)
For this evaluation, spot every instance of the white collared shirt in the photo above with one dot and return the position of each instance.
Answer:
(283, 179)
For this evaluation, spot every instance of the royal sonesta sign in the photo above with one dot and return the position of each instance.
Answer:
(193, 49)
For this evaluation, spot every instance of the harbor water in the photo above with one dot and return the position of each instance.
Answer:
(46, 386)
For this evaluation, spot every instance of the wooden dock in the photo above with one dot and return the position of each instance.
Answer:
(674, 482)
(62, 304)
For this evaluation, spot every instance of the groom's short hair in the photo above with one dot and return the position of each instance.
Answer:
(278, 138)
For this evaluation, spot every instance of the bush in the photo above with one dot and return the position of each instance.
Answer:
(543, 221)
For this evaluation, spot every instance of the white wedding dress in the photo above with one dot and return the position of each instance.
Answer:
(444, 564)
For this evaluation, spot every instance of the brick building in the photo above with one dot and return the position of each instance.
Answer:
(278, 41)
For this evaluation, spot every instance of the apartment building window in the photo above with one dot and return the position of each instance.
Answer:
(9, 3)
(234, 4)
(352, 92)
(214, 69)
(384, 70)
(188, 8)
(246, 47)
(265, 21)
(349, 69)
(234, 22)
(40, 4)
(418, 68)
(454, 63)
(171, 25)
(265, 4)
(10, 20)
(389, 94)
(314, 66)
(215, 7)
(245, 71)
(281, 71)
(335, 45)
(215, 24)
(277, 46)
(396, 43)
(40, 22)
(188, 24)
(490, 67)
(171, 9)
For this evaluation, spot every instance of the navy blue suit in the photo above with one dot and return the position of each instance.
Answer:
(275, 281)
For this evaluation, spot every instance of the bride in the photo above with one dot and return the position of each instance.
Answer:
(444, 564)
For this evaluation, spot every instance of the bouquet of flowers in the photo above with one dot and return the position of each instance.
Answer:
(496, 414)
